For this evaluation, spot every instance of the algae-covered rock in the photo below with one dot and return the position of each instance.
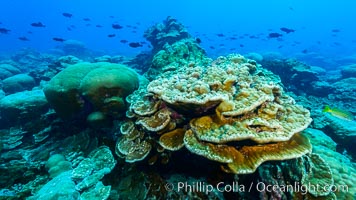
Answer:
(18, 83)
(88, 87)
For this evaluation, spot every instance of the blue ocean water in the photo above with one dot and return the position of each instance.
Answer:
(323, 28)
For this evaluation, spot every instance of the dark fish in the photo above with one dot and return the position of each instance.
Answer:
(280, 46)
(287, 30)
(305, 51)
(116, 26)
(29, 32)
(99, 26)
(253, 37)
(23, 38)
(211, 47)
(111, 16)
(198, 40)
(221, 45)
(241, 45)
(57, 39)
(220, 35)
(69, 28)
(232, 49)
(67, 15)
(335, 30)
(86, 19)
(111, 35)
(38, 24)
(133, 31)
(4, 31)
(291, 8)
(135, 44)
(123, 41)
(233, 38)
(87, 24)
(274, 35)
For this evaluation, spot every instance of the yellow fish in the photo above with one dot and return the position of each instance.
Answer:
(342, 114)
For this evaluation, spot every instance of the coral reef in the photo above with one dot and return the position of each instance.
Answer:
(188, 119)
(7, 70)
(18, 108)
(17, 83)
(83, 180)
(348, 71)
(91, 87)
(342, 169)
(170, 31)
(298, 77)
(230, 100)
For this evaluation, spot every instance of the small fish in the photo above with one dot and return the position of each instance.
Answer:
(198, 40)
(220, 35)
(116, 26)
(99, 26)
(57, 39)
(4, 31)
(135, 44)
(241, 45)
(86, 19)
(111, 35)
(29, 32)
(211, 47)
(38, 24)
(67, 15)
(287, 30)
(23, 38)
(274, 35)
(342, 114)
(335, 30)
(123, 41)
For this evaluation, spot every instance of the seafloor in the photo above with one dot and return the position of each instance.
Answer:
(173, 123)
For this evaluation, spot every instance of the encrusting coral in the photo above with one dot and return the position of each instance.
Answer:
(210, 108)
